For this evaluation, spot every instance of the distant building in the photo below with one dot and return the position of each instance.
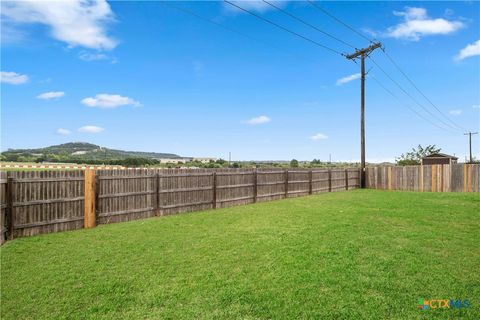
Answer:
(204, 160)
(439, 158)
(172, 161)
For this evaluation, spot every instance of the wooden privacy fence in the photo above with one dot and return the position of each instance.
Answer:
(426, 178)
(52, 201)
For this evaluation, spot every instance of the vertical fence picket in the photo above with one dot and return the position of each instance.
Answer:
(286, 183)
(214, 188)
(9, 208)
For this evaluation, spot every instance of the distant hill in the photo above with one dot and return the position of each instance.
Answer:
(80, 151)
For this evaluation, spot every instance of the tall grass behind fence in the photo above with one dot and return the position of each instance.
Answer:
(427, 178)
(50, 201)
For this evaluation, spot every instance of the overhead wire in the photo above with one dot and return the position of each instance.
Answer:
(315, 5)
(406, 105)
(309, 24)
(283, 28)
(409, 95)
(213, 22)
(332, 50)
(420, 91)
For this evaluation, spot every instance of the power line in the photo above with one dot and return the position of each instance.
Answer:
(415, 86)
(338, 20)
(406, 105)
(411, 97)
(309, 24)
(393, 62)
(168, 4)
(283, 28)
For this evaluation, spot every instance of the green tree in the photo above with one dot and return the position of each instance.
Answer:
(414, 157)
(294, 163)
(221, 161)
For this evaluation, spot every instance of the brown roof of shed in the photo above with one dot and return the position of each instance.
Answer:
(440, 155)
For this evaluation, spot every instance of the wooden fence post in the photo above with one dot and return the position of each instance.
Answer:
(89, 198)
(367, 178)
(255, 177)
(310, 182)
(329, 180)
(158, 212)
(286, 183)
(214, 197)
(9, 208)
(346, 179)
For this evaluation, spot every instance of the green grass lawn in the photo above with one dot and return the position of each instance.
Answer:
(362, 254)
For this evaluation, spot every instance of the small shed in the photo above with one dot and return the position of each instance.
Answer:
(439, 158)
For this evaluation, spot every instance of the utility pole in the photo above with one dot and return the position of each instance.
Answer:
(229, 158)
(363, 53)
(470, 143)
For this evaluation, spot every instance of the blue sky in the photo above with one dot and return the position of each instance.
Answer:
(148, 77)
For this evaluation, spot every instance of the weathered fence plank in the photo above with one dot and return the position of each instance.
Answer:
(426, 178)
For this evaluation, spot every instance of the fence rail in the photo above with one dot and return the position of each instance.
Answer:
(34, 202)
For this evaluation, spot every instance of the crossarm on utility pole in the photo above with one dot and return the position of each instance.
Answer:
(364, 51)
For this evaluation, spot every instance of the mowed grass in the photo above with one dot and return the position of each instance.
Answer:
(361, 254)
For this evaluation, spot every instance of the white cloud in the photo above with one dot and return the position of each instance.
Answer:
(417, 24)
(472, 49)
(259, 120)
(348, 79)
(109, 101)
(63, 132)
(455, 112)
(51, 95)
(76, 22)
(13, 77)
(90, 129)
(319, 136)
(88, 56)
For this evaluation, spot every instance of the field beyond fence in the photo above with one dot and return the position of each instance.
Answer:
(35, 202)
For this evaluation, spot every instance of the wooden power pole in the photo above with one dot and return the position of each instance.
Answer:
(362, 54)
(470, 143)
